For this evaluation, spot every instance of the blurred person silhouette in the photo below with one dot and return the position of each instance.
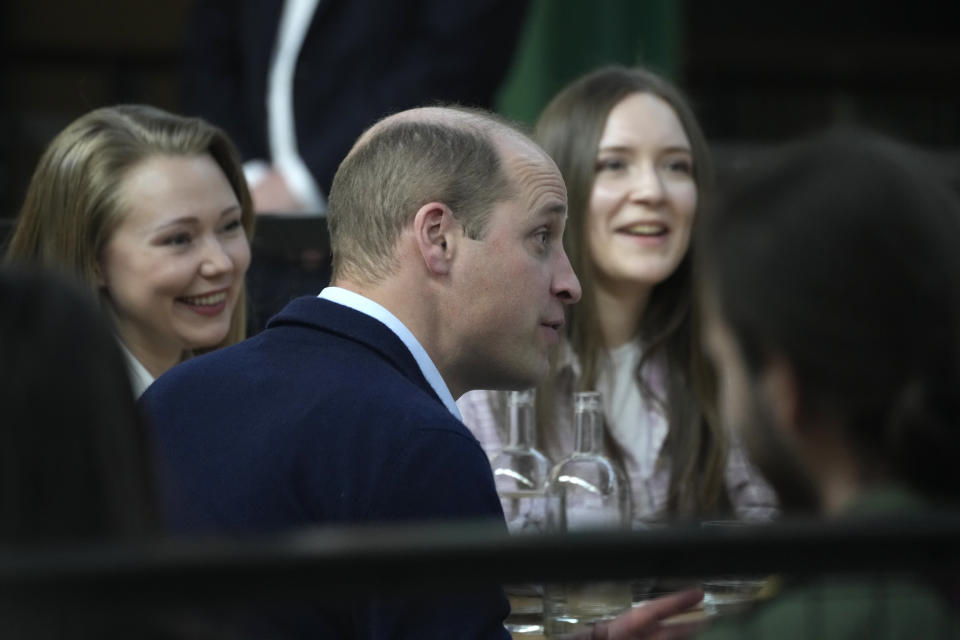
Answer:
(152, 212)
(79, 468)
(295, 82)
(77, 465)
(638, 172)
(449, 274)
(830, 279)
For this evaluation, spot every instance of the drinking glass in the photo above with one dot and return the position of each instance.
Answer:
(730, 593)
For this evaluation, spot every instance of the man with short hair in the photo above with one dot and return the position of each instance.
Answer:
(449, 274)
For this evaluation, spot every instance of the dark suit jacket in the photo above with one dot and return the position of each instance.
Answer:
(323, 418)
(360, 60)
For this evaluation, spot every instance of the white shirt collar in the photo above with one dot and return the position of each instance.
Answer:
(140, 378)
(368, 307)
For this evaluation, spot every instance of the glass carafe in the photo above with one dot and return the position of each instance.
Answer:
(520, 470)
(587, 491)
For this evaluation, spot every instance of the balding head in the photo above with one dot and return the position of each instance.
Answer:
(501, 132)
(433, 154)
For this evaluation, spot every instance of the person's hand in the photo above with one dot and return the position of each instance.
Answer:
(646, 622)
(272, 195)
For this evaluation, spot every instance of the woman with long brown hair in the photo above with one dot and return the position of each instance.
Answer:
(637, 170)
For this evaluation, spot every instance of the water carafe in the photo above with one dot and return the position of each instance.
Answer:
(587, 491)
(520, 470)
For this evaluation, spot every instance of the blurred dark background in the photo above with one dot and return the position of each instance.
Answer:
(757, 71)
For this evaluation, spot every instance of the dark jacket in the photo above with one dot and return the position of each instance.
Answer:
(360, 60)
(323, 418)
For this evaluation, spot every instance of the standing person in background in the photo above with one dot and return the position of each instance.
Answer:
(637, 170)
(840, 365)
(152, 212)
(295, 82)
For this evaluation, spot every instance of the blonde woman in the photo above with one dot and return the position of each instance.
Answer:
(152, 212)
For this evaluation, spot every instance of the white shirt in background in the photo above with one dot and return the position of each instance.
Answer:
(295, 20)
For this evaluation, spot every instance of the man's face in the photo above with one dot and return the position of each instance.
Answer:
(748, 409)
(513, 283)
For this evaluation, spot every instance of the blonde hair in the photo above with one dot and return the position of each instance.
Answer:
(73, 203)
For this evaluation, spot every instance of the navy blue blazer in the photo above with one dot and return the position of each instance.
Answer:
(323, 418)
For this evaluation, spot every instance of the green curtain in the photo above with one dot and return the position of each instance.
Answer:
(564, 39)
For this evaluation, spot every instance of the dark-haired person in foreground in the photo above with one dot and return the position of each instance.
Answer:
(76, 465)
(831, 283)
(76, 462)
(449, 274)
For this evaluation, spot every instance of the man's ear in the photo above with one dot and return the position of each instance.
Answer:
(436, 234)
(779, 383)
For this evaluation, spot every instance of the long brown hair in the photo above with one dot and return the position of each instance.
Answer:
(569, 130)
(73, 204)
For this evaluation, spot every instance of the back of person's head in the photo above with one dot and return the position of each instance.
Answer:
(445, 155)
(76, 463)
(841, 255)
(75, 198)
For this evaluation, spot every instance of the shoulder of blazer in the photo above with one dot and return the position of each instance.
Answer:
(329, 317)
